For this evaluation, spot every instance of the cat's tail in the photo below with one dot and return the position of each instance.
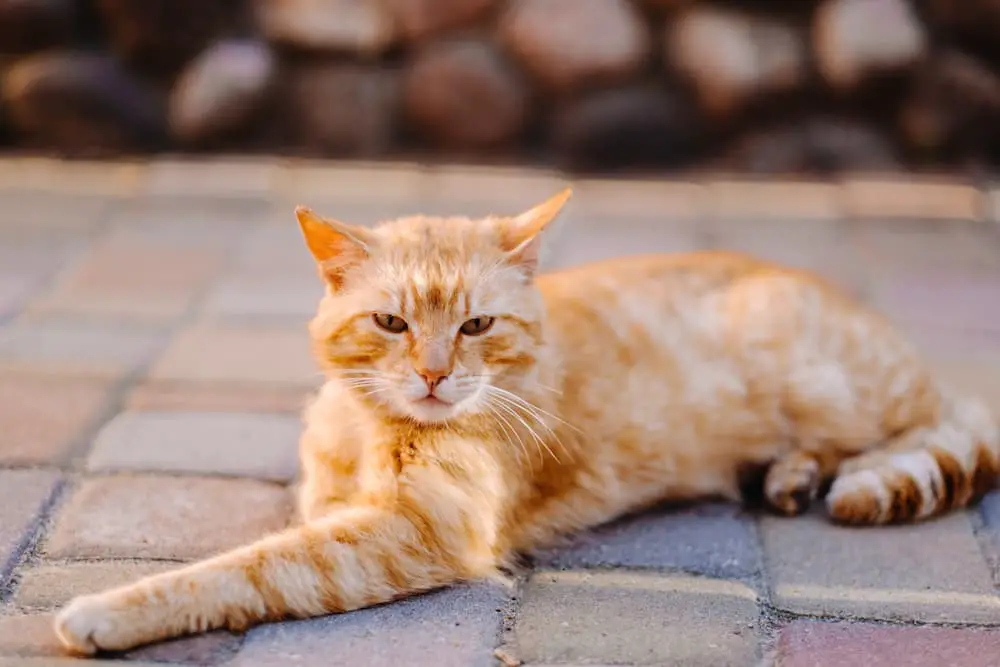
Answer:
(925, 471)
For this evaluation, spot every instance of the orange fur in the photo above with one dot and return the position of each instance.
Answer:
(579, 396)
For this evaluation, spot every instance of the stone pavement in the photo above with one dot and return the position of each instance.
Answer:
(153, 361)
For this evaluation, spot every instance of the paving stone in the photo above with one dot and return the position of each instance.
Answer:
(625, 201)
(212, 648)
(717, 540)
(132, 280)
(931, 572)
(455, 627)
(225, 352)
(305, 182)
(29, 635)
(818, 644)
(989, 535)
(594, 239)
(942, 299)
(23, 496)
(237, 444)
(42, 211)
(217, 397)
(147, 516)
(817, 245)
(256, 295)
(913, 249)
(47, 587)
(74, 348)
(636, 618)
(978, 377)
(32, 638)
(41, 418)
(57, 177)
(912, 199)
(213, 177)
(767, 201)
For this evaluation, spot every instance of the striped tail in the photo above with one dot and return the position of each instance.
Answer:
(947, 467)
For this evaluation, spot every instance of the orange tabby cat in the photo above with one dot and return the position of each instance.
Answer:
(473, 411)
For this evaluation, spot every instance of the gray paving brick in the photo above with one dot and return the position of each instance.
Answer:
(593, 239)
(455, 627)
(46, 587)
(147, 516)
(989, 535)
(636, 618)
(716, 540)
(931, 572)
(262, 446)
(23, 495)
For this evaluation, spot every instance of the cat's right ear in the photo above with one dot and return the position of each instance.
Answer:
(334, 245)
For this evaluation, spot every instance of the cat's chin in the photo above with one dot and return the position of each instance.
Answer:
(431, 410)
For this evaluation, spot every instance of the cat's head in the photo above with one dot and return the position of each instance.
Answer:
(431, 318)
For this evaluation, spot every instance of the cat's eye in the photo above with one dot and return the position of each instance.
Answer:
(390, 323)
(476, 326)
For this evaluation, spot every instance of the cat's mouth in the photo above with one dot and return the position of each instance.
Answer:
(433, 401)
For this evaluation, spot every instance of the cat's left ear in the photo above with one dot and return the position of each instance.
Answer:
(522, 235)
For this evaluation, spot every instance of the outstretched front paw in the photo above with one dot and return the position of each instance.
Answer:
(90, 623)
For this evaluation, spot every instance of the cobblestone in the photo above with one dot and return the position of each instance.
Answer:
(41, 418)
(712, 540)
(635, 618)
(148, 516)
(931, 572)
(457, 627)
(23, 495)
(814, 644)
(232, 444)
(163, 307)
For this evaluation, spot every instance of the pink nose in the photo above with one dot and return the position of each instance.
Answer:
(432, 377)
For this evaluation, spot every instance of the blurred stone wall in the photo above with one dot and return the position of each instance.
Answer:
(756, 85)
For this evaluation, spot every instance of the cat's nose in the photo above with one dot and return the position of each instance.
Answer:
(432, 376)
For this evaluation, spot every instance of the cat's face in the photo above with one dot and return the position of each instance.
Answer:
(431, 318)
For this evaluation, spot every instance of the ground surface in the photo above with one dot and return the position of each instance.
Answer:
(153, 361)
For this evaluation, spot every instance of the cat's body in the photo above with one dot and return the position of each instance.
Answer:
(471, 416)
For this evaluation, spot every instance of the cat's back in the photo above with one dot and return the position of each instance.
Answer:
(652, 287)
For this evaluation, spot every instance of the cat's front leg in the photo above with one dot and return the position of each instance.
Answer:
(354, 558)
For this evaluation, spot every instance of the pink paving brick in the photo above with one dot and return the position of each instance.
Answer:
(819, 644)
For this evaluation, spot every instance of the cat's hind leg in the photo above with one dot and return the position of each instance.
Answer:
(924, 471)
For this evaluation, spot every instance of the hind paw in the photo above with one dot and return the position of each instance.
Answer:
(792, 483)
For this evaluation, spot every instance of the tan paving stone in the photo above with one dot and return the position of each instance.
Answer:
(619, 201)
(212, 397)
(930, 572)
(766, 200)
(219, 352)
(147, 516)
(913, 249)
(33, 640)
(261, 446)
(74, 348)
(306, 181)
(41, 419)
(30, 635)
(47, 587)
(23, 496)
(216, 177)
(636, 618)
(912, 198)
(55, 176)
(483, 190)
(132, 280)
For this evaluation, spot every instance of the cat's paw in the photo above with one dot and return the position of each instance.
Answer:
(89, 624)
(791, 485)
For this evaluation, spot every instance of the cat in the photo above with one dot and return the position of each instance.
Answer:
(476, 409)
